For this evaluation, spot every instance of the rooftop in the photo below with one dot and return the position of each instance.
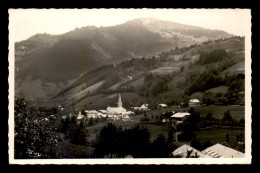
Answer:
(194, 100)
(222, 151)
(162, 104)
(182, 151)
(180, 114)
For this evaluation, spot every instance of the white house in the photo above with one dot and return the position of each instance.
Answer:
(92, 113)
(182, 152)
(214, 151)
(80, 116)
(60, 108)
(144, 107)
(161, 105)
(221, 151)
(194, 102)
(180, 116)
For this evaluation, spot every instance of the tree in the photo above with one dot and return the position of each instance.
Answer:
(83, 112)
(192, 110)
(140, 141)
(170, 137)
(20, 128)
(186, 135)
(65, 124)
(91, 121)
(235, 86)
(182, 68)
(227, 117)
(209, 116)
(189, 152)
(106, 141)
(227, 137)
(77, 134)
(159, 147)
(42, 139)
(242, 122)
(35, 137)
(116, 141)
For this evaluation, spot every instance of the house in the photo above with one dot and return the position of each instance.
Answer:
(161, 106)
(103, 111)
(130, 77)
(180, 116)
(80, 116)
(144, 107)
(194, 102)
(187, 151)
(214, 151)
(221, 151)
(60, 108)
(91, 113)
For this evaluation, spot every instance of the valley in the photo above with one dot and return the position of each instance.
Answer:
(141, 89)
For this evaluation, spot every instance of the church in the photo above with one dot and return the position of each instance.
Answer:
(119, 111)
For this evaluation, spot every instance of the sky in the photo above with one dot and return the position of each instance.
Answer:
(28, 22)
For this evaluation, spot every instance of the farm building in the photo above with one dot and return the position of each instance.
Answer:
(215, 151)
(161, 106)
(221, 151)
(194, 102)
(186, 150)
(144, 107)
(180, 116)
(60, 108)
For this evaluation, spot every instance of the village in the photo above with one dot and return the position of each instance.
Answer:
(175, 120)
(119, 112)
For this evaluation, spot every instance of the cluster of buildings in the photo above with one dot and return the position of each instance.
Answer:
(120, 112)
(214, 151)
(144, 107)
(113, 113)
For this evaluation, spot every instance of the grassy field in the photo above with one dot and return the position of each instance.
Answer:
(155, 130)
(94, 130)
(237, 112)
(220, 89)
(216, 135)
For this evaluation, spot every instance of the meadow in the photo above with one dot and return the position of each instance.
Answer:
(237, 112)
(217, 135)
(214, 135)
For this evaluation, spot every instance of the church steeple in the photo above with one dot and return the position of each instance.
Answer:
(119, 103)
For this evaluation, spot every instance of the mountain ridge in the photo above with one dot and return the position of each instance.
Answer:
(175, 65)
(54, 60)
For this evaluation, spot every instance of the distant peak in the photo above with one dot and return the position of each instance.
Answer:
(145, 20)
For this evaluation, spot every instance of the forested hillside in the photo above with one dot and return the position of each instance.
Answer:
(171, 77)
(46, 64)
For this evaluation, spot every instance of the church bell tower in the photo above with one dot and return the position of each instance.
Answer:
(119, 103)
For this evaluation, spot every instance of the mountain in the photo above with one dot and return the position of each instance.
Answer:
(160, 78)
(46, 64)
